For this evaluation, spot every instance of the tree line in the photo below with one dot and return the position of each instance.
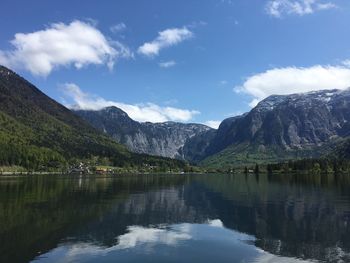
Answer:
(332, 165)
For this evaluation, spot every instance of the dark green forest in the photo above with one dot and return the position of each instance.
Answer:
(312, 165)
(39, 134)
(338, 161)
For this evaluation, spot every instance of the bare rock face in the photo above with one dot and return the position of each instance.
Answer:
(163, 139)
(284, 122)
(295, 121)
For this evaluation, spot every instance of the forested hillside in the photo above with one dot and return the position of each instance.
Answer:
(38, 133)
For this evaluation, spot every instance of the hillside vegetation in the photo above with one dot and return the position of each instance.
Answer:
(38, 133)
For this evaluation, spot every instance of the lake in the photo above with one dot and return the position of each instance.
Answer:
(175, 218)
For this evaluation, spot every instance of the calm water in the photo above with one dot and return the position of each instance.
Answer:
(201, 218)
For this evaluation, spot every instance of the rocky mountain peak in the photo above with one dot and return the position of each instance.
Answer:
(164, 139)
(114, 112)
(4, 72)
(282, 124)
(308, 99)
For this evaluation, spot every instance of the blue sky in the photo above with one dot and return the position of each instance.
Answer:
(190, 61)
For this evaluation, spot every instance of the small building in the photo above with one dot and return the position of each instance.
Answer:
(102, 170)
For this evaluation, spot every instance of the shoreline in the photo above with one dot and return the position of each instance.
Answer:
(23, 174)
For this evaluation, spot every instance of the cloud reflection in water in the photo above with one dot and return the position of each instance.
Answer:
(180, 242)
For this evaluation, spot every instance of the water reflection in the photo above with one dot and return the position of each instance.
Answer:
(175, 218)
(175, 243)
(301, 216)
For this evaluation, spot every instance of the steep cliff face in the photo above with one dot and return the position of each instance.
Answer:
(297, 120)
(164, 139)
(284, 126)
(224, 136)
(278, 128)
(196, 147)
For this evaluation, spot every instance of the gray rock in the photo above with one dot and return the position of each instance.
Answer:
(163, 139)
(296, 121)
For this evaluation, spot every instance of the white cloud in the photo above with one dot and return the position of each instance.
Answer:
(326, 6)
(140, 240)
(138, 234)
(265, 257)
(167, 64)
(213, 124)
(215, 223)
(139, 112)
(166, 38)
(282, 81)
(140, 237)
(117, 28)
(278, 8)
(77, 43)
(346, 63)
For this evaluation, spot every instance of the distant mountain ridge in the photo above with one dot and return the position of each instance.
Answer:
(279, 128)
(35, 129)
(163, 139)
(37, 132)
(283, 127)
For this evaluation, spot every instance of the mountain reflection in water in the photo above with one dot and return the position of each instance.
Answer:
(172, 218)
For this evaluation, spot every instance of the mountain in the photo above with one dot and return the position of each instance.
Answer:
(37, 132)
(196, 146)
(341, 150)
(162, 139)
(283, 127)
(279, 128)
